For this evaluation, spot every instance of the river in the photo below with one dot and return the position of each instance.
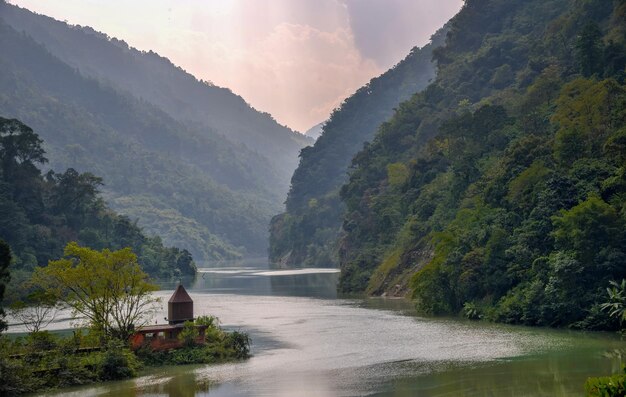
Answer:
(308, 341)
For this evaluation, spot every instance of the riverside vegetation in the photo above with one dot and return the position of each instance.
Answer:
(108, 286)
(40, 214)
(500, 189)
(503, 184)
(113, 294)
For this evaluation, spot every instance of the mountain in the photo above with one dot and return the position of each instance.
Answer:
(40, 214)
(315, 131)
(154, 79)
(134, 118)
(500, 190)
(304, 234)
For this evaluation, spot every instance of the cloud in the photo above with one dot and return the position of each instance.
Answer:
(298, 72)
(296, 59)
(385, 30)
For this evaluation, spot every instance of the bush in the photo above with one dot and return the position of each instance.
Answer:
(209, 321)
(471, 311)
(41, 341)
(240, 343)
(117, 363)
(607, 386)
(189, 334)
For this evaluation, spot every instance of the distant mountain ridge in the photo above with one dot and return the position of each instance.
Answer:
(155, 79)
(182, 179)
(315, 131)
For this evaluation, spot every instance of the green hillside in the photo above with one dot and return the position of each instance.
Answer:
(501, 188)
(40, 214)
(216, 111)
(304, 235)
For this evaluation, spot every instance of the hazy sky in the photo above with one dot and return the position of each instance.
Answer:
(296, 59)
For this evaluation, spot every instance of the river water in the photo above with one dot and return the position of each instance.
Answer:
(307, 341)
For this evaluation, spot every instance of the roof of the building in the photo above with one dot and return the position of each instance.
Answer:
(158, 328)
(163, 327)
(180, 295)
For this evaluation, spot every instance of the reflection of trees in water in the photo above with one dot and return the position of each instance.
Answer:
(182, 384)
(617, 357)
(322, 285)
(556, 374)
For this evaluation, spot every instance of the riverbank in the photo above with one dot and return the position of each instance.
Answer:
(307, 338)
(44, 361)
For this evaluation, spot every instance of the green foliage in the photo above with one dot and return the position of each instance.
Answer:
(471, 311)
(616, 306)
(117, 363)
(188, 334)
(41, 214)
(589, 49)
(239, 342)
(192, 162)
(107, 288)
(515, 194)
(43, 361)
(219, 346)
(209, 321)
(5, 277)
(608, 386)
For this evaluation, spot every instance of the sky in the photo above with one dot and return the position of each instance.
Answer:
(295, 59)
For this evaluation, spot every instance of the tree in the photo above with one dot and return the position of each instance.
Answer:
(19, 144)
(107, 287)
(588, 228)
(589, 49)
(37, 312)
(5, 261)
(616, 306)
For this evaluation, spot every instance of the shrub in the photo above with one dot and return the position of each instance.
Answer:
(117, 363)
(41, 341)
(239, 342)
(471, 311)
(607, 386)
(209, 321)
(189, 334)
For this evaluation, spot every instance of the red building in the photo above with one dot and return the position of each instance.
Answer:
(165, 336)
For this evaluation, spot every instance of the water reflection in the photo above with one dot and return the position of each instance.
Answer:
(258, 278)
(306, 341)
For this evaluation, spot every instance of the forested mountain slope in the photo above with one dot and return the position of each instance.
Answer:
(304, 235)
(501, 188)
(40, 214)
(155, 79)
(196, 189)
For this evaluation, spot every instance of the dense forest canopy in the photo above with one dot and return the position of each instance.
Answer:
(502, 186)
(182, 179)
(304, 235)
(40, 214)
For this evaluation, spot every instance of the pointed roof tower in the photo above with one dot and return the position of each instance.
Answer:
(180, 306)
(180, 295)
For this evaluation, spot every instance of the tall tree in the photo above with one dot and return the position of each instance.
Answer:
(589, 48)
(19, 145)
(106, 287)
(5, 261)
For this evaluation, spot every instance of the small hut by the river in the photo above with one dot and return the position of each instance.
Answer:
(165, 336)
